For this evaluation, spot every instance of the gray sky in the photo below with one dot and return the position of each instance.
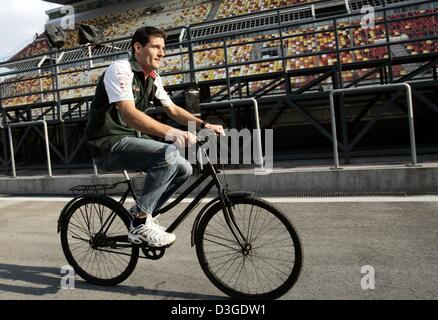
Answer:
(19, 21)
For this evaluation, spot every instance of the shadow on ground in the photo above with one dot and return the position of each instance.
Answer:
(47, 281)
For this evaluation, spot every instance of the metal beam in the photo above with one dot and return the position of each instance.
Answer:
(313, 121)
(417, 71)
(46, 139)
(405, 86)
(312, 83)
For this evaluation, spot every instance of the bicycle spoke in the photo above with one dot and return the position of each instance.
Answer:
(224, 227)
(78, 236)
(99, 255)
(273, 266)
(240, 272)
(221, 244)
(222, 238)
(266, 276)
(86, 218)
(262, 268)
(232, 262)
(80, 225)
(266, 231)
(254, 224)
(256, 272)
(263, 229)
(224, 255)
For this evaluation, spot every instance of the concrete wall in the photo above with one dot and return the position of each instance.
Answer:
(422, 179)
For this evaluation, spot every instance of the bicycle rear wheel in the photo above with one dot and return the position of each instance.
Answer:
(104, 259)
(270, 263)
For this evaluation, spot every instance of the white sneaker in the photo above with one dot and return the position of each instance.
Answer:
(134, 211)
(157, 224)
(151, 234)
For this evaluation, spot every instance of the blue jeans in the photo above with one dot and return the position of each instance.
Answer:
(166, 169)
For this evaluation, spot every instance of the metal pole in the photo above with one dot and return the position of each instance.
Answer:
(283, 60)
(40, 81)
(191, 62)
(2, 125)
(411, 123)
(334, 134)
(339, 80)
(258, 133)
(41, 86)
(11, 148)
(388, 43)
(227, 71)
(90, 55)
(257, 120)
(46, 138)
(96, 173)
(376, 88)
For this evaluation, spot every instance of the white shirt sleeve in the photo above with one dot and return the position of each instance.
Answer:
(118, 81)
(161, 94)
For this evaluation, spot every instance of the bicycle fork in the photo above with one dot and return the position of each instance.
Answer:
(231, 222)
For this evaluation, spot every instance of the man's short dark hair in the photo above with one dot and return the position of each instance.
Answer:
(142, 35)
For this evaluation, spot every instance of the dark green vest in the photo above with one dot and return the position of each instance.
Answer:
(105, 125)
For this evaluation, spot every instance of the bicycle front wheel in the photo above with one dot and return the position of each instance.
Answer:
(104, 258)
(269, 263)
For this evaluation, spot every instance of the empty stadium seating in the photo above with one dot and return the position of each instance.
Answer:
(126, 24)
(39, 46)
(230, 8)
(416, 28)
(26, 85)
(71, 77)
(122, 24)
(306, 46)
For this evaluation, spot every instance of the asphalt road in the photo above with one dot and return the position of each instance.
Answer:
(397, 237)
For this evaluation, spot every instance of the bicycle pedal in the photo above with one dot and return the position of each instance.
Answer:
(153, 253)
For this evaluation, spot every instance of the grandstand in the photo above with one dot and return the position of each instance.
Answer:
(287, 54)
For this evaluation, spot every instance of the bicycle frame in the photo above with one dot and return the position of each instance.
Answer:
(210, 171)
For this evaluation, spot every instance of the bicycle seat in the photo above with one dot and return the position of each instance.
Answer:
(96, 170)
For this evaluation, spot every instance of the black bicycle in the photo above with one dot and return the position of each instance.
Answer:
(246, 246)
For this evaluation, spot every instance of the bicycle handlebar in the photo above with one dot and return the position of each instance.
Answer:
(200, 142)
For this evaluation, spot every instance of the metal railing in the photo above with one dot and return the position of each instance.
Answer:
(258, 151)
(46, 140)
(190, 45)
(387, 87)
(231, 103)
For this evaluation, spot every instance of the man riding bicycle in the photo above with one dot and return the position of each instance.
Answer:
(118, 129)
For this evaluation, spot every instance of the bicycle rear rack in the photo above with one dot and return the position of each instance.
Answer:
(93, 189)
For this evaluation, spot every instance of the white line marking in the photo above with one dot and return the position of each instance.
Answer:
(431, 198)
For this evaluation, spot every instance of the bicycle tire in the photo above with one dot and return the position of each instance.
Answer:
(214, 221)
(79, 226)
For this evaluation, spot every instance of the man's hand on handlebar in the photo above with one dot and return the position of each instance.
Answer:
(218, 129)
(186, 138)
(181, 138)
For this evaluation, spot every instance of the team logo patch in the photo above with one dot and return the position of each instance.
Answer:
(123, 81)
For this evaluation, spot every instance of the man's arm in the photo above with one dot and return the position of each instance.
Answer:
(182, 116)
(179, 114)
(140, 121)
(146, 124)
